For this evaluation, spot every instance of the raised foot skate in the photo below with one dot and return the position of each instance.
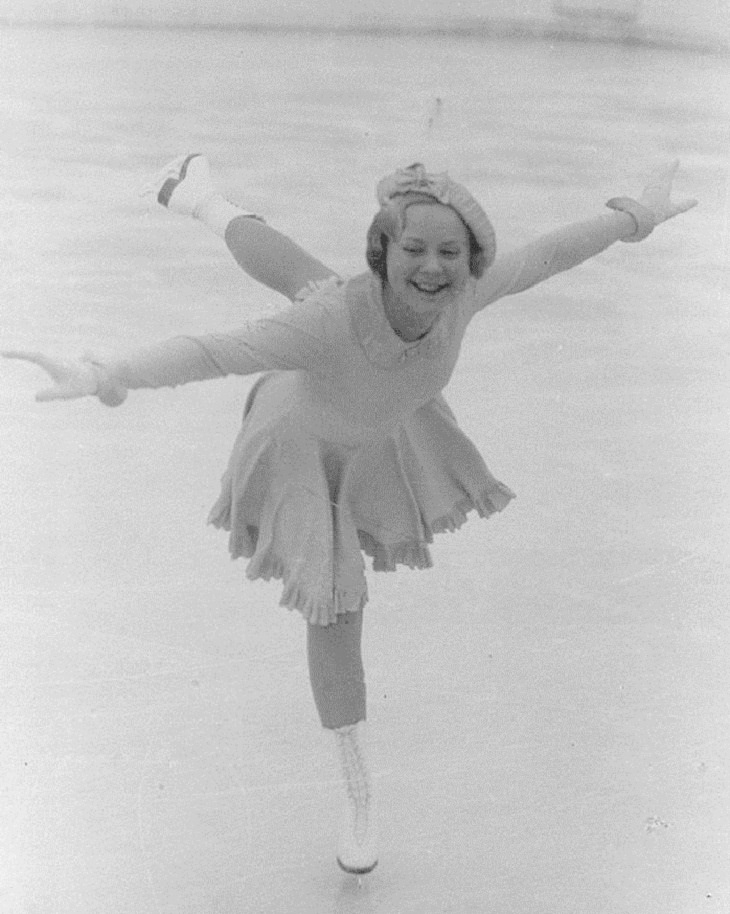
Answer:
(183, 185)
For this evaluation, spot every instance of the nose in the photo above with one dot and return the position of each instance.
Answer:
(431, 263)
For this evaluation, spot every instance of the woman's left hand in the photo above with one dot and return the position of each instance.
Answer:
(657, 195)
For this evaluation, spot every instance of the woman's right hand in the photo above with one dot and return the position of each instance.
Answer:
(72, 378)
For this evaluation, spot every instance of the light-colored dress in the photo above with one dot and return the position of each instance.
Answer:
(347, 444)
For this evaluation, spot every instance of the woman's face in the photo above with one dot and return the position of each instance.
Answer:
(428, 267)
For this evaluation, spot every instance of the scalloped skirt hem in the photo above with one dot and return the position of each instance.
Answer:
(323, 609)
(295, 595)
(416, 555)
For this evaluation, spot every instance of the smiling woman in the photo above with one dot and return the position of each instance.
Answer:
(348, 447)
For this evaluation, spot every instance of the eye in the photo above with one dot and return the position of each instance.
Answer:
(412, 249)
(451, 253)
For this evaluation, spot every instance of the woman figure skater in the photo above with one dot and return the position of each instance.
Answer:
(347, 444)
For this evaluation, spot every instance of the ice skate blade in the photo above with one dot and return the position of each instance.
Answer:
(356, 871)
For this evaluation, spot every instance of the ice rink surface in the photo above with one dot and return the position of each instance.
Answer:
(550, 702)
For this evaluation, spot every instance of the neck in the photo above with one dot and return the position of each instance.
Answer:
(408, 325)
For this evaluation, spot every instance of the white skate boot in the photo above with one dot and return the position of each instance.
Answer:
(357, 851)
(183, 185)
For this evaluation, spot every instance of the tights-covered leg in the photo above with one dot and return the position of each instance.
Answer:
(336, 670)
(271, 258)
(338, 684)
(185, 187)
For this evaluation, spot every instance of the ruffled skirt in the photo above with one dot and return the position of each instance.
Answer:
(304, 508)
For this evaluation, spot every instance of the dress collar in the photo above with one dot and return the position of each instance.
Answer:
(381, 343)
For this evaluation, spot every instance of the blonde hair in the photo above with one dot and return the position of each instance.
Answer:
(388, 224)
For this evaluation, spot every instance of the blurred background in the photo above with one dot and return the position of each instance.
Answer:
(700, 23)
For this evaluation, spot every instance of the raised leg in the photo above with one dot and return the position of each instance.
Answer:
(184, 186)
(271, 258)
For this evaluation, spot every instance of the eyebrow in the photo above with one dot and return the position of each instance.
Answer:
(419, 240)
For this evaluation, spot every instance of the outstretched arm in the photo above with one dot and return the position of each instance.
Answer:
(184, 186)
(565, 248)
(294, 339)
(179, 360)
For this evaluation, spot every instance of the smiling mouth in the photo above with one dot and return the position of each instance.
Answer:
(429, 290)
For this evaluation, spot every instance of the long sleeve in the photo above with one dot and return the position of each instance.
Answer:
(292, 340)
(552, 253)
(179, 360)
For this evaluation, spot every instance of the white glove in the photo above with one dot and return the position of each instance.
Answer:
(72, 378)
(655, 205)
(656, 196)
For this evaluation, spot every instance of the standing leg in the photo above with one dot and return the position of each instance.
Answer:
(336, 671)
(338, 684)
